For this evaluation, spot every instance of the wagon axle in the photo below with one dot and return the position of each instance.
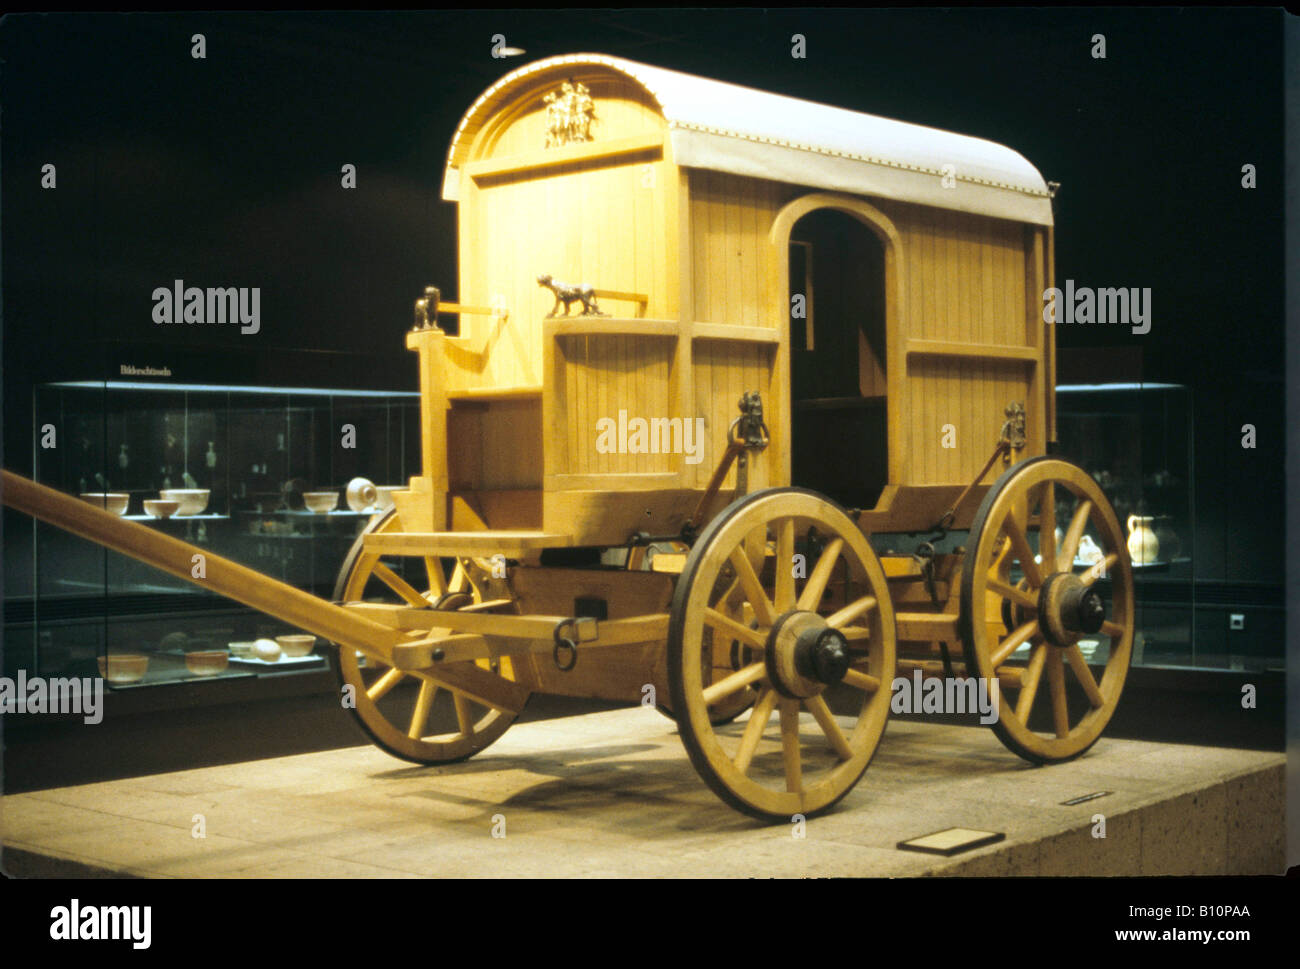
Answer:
(1067, 608)
(804, 655)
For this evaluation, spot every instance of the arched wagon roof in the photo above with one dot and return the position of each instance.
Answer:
(728, 128)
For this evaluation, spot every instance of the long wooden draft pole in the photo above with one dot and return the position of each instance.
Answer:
(221, 575)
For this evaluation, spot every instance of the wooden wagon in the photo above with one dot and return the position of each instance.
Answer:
(739, 465)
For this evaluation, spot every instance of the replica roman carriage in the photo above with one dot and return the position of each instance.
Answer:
(744, 408)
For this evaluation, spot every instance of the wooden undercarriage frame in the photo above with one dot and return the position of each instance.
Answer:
(779, 607)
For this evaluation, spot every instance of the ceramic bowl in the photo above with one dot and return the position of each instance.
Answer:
(266, 649)
(193, 501)
(123, 667)
(161, 507)
(385, 496)
(114, 501)
(296, 644)
(321, 502)
(361, 494)
(241, 650)
(207, 662)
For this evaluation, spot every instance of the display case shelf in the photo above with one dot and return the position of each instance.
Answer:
(1137, 442)
(248, 446)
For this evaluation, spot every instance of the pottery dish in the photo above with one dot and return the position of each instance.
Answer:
(123, 667)
(296, 644)
(113, 501)
(321, 502)
(161, 508)
(361, 494)
(208, 662)
(193, 501)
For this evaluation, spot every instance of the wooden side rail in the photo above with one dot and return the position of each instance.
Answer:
(641, 299)
(221, 575)
(472, 310)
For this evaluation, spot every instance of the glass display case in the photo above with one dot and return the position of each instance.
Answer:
(1136, 440)
(249, 460)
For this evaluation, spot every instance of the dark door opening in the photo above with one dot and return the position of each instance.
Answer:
(837, 358)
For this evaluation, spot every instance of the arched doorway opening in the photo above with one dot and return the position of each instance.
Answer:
(839, 443)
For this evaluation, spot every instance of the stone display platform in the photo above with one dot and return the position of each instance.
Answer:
(613, 794)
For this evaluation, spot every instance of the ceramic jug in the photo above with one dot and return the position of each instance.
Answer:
(1142, 544)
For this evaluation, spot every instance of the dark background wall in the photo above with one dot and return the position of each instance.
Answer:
(225, 171)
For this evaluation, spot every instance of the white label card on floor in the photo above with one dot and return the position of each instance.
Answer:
(952, 841)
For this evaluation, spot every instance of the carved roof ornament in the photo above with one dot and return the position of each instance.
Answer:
(569, 114)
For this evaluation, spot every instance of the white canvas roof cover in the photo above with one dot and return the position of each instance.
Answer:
(728, 128)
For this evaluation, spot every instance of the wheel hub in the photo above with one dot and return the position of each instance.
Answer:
(1068, 609)
(804, 655)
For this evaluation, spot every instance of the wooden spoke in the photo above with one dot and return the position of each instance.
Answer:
(385, 683)
(784, 566)
(1013, 642)
(852, 611)
(856, 634)
(1023, 552)
(398, 584)
(1047, 528)
(729, 627)
(464, 715)
(1073, 535)
(815, 588)
(826, 720)
(459, 577)
(758, 720)
(1029, 682)
(735, 681)
(863, 681)
(1079, 665)
(420, 716)
(753, 588)
(790, 755)
(437, 578)
(1017, 595)
(1095, 572)
(1056, 683)
(1112, 629)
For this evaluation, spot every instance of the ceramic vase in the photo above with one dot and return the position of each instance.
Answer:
(1143, 546)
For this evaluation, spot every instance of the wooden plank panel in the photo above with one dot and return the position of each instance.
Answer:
(988, 311)
(749, 242)
(729, 311)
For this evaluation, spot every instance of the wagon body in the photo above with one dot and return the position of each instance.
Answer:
(685, 203)
(876, 286)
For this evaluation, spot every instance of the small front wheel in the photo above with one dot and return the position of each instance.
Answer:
(400, 710)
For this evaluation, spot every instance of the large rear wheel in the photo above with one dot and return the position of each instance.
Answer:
(787, 576)
(1032, 611)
